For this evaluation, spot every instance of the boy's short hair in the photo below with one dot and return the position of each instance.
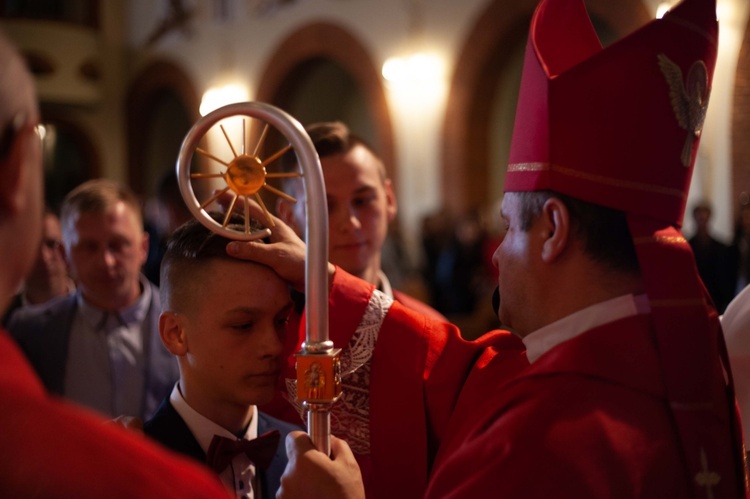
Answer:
(191, 245)
(330, 138)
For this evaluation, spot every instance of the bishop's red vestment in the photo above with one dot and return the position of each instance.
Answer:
(589, 418)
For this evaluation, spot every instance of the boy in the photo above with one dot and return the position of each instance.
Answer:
(224, 320)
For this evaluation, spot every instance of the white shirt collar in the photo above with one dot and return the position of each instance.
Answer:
(241, 473)
(202, 428)
(385, 284)
(546, 338)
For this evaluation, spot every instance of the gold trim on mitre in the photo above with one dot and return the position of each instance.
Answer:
(599, 179)
(659, 239)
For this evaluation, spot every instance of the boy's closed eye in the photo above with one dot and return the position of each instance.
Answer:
(244, 326)
(242, 319)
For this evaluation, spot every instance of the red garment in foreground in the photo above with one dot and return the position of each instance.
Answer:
(54, 449)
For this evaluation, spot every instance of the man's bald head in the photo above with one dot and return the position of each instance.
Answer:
(21, 190)
(17, 93)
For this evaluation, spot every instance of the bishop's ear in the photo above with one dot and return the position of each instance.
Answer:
(556, 220)
(172, 332)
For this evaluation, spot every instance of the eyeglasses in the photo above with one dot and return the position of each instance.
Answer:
(8, 135)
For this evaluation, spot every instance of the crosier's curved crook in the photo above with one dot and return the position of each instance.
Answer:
(318, 370)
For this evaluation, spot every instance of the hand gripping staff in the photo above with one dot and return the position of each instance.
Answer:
(243, 176)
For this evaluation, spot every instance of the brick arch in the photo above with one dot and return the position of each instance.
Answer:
(480, 64)
(143, 93)
(329, 41)
(741, 124)
(61, 176)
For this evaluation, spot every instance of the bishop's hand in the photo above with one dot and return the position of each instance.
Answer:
(313, 475)
(283, 251)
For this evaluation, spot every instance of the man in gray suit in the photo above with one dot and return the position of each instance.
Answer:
(100, 347)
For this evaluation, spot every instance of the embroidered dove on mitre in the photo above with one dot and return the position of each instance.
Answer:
(689, 100)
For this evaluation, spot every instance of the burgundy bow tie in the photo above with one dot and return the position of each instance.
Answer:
(259, 450)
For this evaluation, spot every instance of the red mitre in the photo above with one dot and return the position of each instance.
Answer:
(619, 127)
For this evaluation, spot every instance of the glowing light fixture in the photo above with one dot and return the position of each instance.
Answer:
(723, 9)
(662, 9)
(420, 67)
(217, 97)
(418, 71)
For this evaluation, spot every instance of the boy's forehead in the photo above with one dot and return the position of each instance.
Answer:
(240, 272)
(225, 284)
(231, 266)
(352, 166)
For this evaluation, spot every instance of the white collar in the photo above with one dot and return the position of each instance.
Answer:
(202, 428)
(544, 339)
(385, 284)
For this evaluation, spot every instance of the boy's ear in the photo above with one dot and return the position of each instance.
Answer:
(172, 332)
(390, 198)
(285, 212)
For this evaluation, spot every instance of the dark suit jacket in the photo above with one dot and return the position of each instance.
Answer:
(14, 305)
(43, 333)
(168, 428)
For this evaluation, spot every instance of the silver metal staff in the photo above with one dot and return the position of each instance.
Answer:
(244, 175)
